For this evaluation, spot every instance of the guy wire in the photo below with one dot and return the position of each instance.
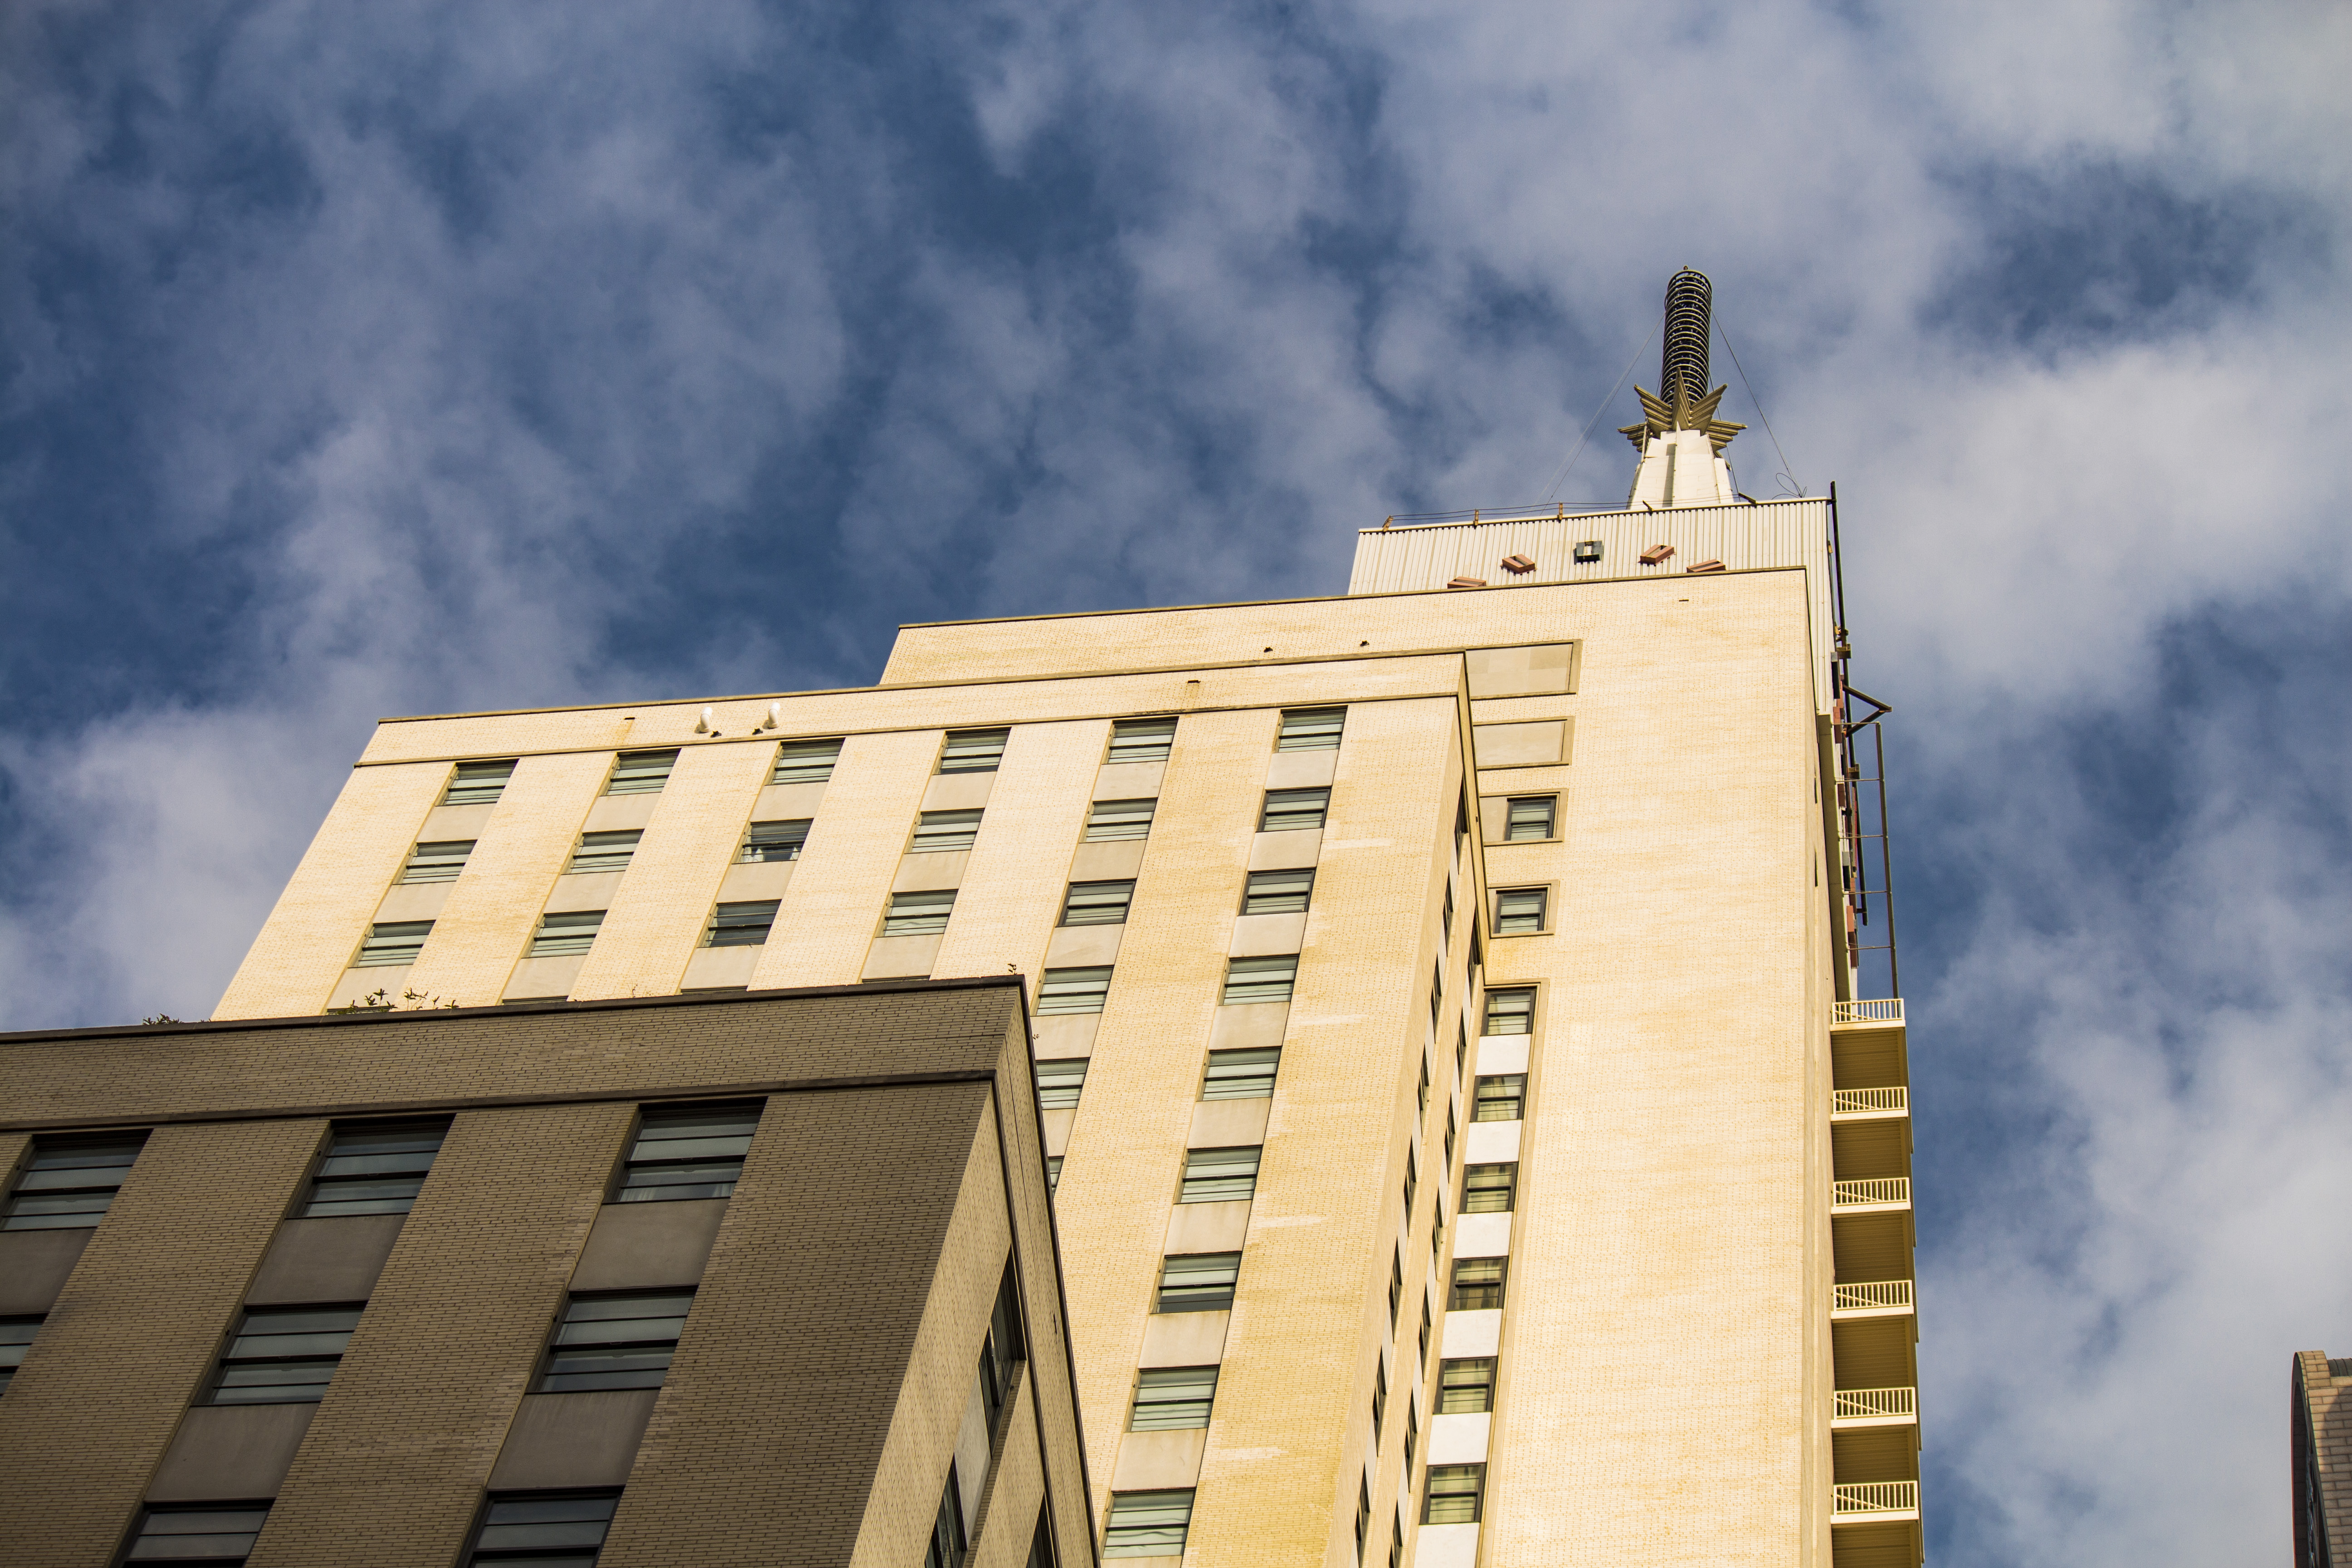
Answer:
(1561, 477)
(1757, 405)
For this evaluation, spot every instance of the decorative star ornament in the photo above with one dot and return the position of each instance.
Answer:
(1658, 418)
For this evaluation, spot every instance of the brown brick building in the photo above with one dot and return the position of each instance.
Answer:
(761, 1279)
(2320, 1420)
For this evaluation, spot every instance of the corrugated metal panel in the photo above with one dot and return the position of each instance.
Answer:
(1768, 534)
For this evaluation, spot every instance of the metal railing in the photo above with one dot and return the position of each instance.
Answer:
(1876, 1190)
(1860, 1101)
(1875, 1497)
(1876, 1404)
(1877, 1295)
(1873, 1010)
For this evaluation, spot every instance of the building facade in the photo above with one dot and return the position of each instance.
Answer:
(683, 1281)
(2320, 1434)
(1473, 1144)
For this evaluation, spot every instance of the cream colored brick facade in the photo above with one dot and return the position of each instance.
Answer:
(1673, 1335)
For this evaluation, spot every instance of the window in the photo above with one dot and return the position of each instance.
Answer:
(15, 1339)
(1465, 1387)
(1198, 1281)
(641, 772)
(1379, 1400)
(284, 1356)
(1003, 1348)
(68, 1182)
(1529, 816)
(1420, 1353)
(563, 934)
(1148, 1524)
(1172, 1398)
(1097, 903)
(621, 1341)
(1396, 1285)
(1477, 1285)
(947, 1544)
(438, 861)
(1293, 810)
(775, 840)
(741, 925)
(804, 761)
(1412, 1442)
(544, 1531)
(972, 751)
(1140, 740)
(1363, 1513)
(217, 1534)
(923, 913)
(1277, 892)
(1452, 1494)
(1218, 1176)
(599, 853)
(1241, 1075)
(372, 1167)
(1249, 980)
(1502, 1097)
(392, 941)
(688, 1151)
(1059, 1081)
(1411, 1182)
(1489, 1189)
(1510, 1011)
(1074, 990)
(1114, 819)
(1445, 918)
(1310, 729)
(1053, 1173)
(944, 832)
(1521, 909)
(478, 784)
(1422, 1094)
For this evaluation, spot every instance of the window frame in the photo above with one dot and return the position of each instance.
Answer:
(1508, 1187)
(641, 780)
(1159, 1543)
(477, 1552)
(1475, 1474)
(1267, 972)
(1489, 1014)
(1551, 834)
(969, 831)
(583, 851)
(1094, 819)
(1051, 1002)
(1304, 893)
(564, 927)
(738, 915)
(481, 774)
(1173, 1419)
(1540, 893)
(751, 851)
(29, 1165)
(941, 900)
(228, 1362)
(968, 760)
(1456, 1285)
(1098, 897)
(1300, 728)
(674, 1113)
(1479, 1374)
(1479, 1099)
(1273, 1071)
(778, 765)
(1148, 727)
(326, 1182)
(1267, 821)
(1050, 1096)
(258, 1509)
(436, 868)
(1221, 1180)
(551, 1359)
(384, 943)
(1230, 1284)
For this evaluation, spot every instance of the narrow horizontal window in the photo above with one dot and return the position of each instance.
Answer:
(218, 1534)
(1310, 729)
(599, 853)
(478, 784)
(1521, 909)
(1277, 892)
(641, 772)
(68, 1182)
(1140, 740)
(1109, 820)
(1453, 1494)
(1249, 980)
(372, 1167)
(15, 1339)
(1074, 990)
(1197, 1281)
(775, 840)
(1243, 1073)
(390, 943)
(1501, 1097)
(1148, 1524)
(688, 1151)
(543, 1530)
(438, 861)
(804, 761)
(284, 1356)
(1219, 1175)
(1097, 903)
(620, 1341)
(566, 933)
(1059, 1082)
(1465, 1386)
(745, 924)
(1293, 810)
(972, 751)
(1172, 1398)
(1477, 1285)
(943, 832)
(923, 913)
(1529, 816)
(1511, 1012)
(1489, 1189)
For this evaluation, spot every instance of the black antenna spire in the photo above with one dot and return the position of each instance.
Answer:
(1682, 364)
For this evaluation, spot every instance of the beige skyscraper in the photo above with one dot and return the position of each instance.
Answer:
(1473, 1147)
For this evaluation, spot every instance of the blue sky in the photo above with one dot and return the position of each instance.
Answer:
(401, 358)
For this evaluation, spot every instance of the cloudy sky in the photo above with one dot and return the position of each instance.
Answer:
(358, 360)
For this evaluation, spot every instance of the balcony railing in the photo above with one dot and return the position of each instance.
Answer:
(1875, 1295)
(1871, 1103)
(1876, 1404)
(1878, 1010)
(1861, 1500)
(1877, 1190)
